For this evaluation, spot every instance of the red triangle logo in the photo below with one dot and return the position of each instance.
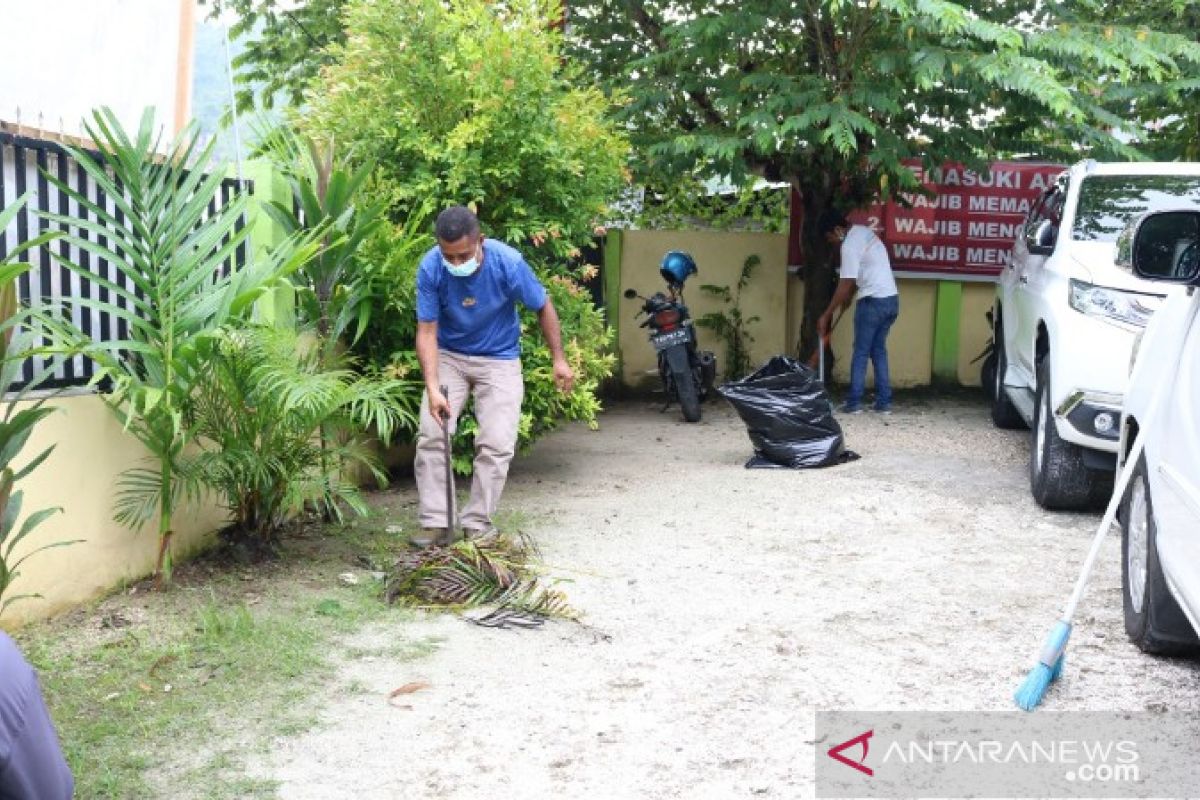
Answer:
(863, 739)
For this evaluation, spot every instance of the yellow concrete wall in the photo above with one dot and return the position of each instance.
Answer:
(81, 477)
(973, 332)
(719, 256)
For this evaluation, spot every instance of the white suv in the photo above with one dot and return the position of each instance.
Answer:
(1160, 511)
(1065, 321)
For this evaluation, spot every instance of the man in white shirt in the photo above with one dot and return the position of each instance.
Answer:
(866, 270)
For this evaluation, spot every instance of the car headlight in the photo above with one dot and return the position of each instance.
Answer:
(1114, 305)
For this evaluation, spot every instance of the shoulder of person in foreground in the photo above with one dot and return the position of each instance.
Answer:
(31, 758)
(11, 660)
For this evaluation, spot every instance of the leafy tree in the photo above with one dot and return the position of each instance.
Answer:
(285, 45)
(1168, 111)
(171, 251)
(832, 95)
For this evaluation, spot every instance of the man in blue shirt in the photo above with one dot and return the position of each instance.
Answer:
(469, 340)
(32, 766)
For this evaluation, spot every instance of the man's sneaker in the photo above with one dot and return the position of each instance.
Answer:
(477, 533)
(430, 537)
(883, 410)
(851, 408)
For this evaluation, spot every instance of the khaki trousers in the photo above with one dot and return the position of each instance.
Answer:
(498, 390)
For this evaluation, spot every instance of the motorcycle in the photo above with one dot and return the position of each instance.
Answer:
(687, 372)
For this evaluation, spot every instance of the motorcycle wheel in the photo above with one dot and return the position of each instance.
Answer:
(688, 393)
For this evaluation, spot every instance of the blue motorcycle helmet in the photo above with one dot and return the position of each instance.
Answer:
(676, 267)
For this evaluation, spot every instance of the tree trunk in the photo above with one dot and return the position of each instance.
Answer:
(819, 260)
(162, 571)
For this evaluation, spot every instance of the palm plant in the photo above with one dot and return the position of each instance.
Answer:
(260, 404)
(173, 251)
(18, 421)
(333, 302)
(326, 195)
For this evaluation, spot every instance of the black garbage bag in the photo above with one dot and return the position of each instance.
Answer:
(788, 416)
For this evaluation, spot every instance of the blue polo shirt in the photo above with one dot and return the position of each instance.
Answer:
(477, 315)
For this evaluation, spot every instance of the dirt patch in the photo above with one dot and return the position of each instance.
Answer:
(726, 605)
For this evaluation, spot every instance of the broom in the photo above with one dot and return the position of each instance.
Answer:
(822, 343)
(1050, 661)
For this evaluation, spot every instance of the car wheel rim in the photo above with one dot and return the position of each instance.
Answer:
(1137, 545)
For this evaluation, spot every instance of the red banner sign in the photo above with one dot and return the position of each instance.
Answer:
(967, 228)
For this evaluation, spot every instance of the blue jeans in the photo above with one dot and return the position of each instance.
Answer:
(873, 318)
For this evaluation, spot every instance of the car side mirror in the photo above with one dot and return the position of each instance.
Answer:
(1162, 246)
(1040, 241)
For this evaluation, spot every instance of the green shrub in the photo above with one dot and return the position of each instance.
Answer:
(282, 426)
(473, 102)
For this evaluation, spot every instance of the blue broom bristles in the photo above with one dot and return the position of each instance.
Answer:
(1049, 667)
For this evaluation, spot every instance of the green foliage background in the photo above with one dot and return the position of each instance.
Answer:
(474, 103)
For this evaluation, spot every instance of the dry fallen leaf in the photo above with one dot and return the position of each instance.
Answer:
(407, 688)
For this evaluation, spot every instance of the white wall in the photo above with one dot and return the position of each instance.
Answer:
(62, 58)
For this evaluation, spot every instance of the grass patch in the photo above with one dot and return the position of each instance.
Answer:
(164, 694)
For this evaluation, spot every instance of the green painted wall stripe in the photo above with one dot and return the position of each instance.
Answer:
(278, 308)
(946, 317)
(612, 279)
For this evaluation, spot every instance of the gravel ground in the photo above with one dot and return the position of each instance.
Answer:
(725, 606)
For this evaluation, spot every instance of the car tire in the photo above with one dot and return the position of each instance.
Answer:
(1004, 413)
(1153, 618)
(1058, 477)
(987, 375)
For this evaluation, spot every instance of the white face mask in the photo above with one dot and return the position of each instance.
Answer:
(461, 270)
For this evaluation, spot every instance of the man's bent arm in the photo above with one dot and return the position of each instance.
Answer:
(843, 294)
(841, 299)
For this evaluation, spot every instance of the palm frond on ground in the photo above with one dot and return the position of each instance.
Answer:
(495, 570)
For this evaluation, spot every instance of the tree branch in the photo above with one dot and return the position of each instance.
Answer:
(652, 30)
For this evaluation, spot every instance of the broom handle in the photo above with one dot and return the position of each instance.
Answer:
(822, 343)
(1114, 502)
(821, 358)
(1110, 514)
(449, 467)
